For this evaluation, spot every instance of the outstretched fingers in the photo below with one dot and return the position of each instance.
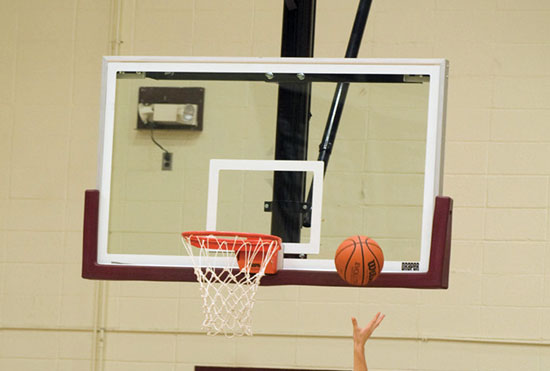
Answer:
(361, 335)
(376, 320)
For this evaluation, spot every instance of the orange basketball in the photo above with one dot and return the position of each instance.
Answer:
(359, 260)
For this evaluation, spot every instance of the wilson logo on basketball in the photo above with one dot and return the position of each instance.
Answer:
(372, 270)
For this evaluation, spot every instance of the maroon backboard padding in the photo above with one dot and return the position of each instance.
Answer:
(437, 276)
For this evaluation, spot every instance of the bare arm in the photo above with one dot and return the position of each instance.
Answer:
(360, 337)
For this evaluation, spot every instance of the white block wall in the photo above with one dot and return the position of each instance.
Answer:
(496, 313)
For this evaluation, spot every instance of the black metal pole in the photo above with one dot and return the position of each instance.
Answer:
(293, 112)
(339, 98)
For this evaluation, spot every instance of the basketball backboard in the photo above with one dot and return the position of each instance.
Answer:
(218, 144)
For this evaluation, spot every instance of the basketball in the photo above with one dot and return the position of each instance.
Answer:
(359, 260)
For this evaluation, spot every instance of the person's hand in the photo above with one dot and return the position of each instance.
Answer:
(361, 335)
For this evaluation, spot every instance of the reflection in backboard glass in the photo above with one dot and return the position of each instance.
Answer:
(375, 179)
(373, 185)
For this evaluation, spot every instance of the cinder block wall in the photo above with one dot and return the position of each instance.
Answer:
(496, 314)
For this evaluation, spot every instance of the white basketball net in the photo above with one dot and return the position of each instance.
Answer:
(228, 293)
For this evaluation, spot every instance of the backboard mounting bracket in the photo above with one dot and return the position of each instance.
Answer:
(298, 207)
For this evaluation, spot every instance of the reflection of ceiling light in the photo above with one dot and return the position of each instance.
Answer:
(188, 114)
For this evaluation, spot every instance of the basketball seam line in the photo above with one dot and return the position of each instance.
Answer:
(342, 250)
(363, 260)
(349, 259)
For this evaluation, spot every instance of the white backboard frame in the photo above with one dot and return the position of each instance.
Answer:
(436, 69)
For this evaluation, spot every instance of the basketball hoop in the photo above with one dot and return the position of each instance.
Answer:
(228, 285)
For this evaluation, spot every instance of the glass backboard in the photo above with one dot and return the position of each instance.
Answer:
(165, 121)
